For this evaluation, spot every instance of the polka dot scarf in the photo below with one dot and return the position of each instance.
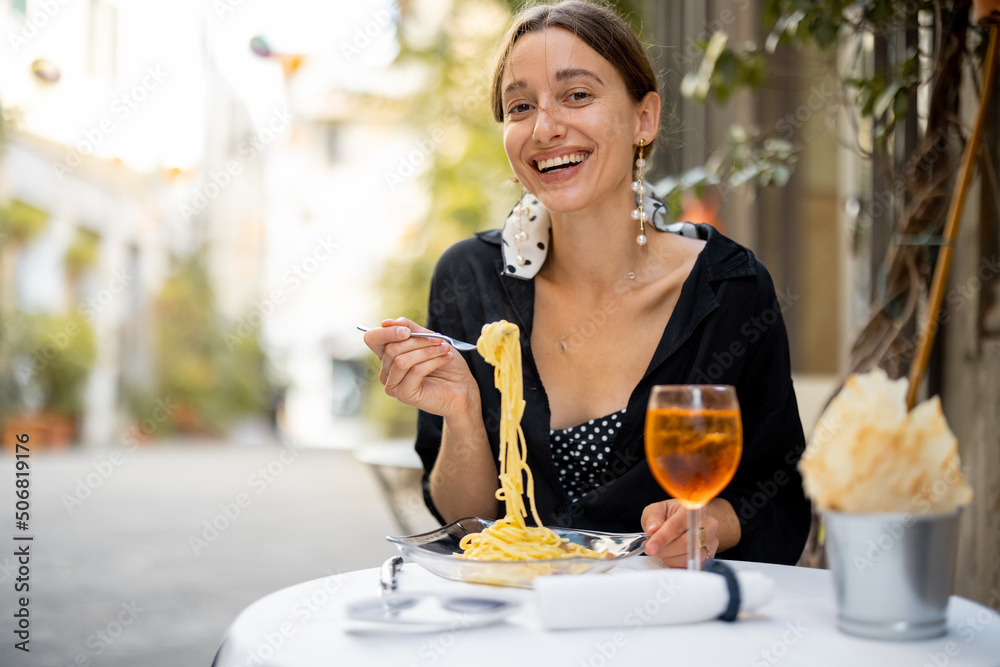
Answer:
(537, 227)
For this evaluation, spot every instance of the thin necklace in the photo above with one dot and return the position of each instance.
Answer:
(562, 345)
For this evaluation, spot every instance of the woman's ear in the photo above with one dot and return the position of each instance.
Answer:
(648, 110)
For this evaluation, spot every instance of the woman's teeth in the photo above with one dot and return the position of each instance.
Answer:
(560, 162)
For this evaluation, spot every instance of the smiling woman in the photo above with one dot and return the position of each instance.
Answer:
(576, 270)
(570, 124)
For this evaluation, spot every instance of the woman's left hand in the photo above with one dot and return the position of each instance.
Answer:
(666, 524)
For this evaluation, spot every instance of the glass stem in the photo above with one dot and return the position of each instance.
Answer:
(694, 549)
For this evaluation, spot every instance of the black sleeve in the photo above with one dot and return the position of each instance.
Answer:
(430, 427)
(766, 492)
(428, 444)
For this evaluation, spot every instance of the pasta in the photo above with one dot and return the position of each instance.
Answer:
(511, 538)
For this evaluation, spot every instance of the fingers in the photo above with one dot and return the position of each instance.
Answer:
(653, 517)
(399, 358)
(672, 525)
(668, 540)
(711, 526)
(406, 372)
(387, 341)
(391, 331)
(404, 322)
(426, 373)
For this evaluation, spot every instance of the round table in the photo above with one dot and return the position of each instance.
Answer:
(306, 626)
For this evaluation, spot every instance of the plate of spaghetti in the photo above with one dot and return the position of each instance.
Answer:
(509, 552)
(440, 552)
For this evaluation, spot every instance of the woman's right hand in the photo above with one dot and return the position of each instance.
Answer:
(423, 372)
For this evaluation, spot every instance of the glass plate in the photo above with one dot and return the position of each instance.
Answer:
(437, 552)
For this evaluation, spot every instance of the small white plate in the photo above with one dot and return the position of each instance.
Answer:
(425, 612)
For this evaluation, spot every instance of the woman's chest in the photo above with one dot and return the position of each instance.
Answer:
(590, 359)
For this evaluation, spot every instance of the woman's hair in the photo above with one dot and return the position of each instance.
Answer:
(599, 27)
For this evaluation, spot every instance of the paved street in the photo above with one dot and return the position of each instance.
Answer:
(125, 571)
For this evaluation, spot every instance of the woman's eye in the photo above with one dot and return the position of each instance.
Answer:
(518, 108)
(579, 96)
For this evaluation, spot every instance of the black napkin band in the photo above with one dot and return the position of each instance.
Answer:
(727, 573)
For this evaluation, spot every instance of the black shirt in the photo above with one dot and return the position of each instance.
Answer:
(726, 328)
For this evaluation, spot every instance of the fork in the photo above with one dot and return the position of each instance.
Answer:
(457, 344)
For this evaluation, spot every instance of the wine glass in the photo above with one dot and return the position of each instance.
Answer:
(694, 440)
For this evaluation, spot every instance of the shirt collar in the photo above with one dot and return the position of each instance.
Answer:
(526, 231)
(722, 258)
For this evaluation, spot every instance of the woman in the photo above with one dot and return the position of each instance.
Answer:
(608, 304)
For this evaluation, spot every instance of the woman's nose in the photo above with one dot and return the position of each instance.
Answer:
(548, 125)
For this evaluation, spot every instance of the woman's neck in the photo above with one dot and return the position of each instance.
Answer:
(595, 249)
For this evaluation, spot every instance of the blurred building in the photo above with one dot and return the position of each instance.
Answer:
(333, 218)
(117, 133)
(121, 210)
(66, 57)
(155, 129)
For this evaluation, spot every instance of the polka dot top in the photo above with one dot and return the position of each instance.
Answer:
(581, 453)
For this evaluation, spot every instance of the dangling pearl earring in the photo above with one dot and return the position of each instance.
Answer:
(521, 211)
(639, 189)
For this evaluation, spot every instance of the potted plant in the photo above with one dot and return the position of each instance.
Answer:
(52, 356)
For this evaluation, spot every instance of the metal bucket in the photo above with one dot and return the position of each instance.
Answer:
(893, 572)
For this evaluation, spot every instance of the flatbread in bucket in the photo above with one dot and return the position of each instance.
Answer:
(867, 454)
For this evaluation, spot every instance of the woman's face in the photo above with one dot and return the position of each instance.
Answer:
(569, 124)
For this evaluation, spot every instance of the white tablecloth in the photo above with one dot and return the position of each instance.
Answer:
(304, 626)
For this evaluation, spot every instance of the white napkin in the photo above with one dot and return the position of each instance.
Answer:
(653, 597)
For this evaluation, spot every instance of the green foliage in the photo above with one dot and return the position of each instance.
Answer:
(880, 97)
(871, 42)
(55, 354)
(886, 99)
(10, 391)
(21, 222)
(806, 21)
(744, 159)
(202, 364)
(82, 253)
(723, 70)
